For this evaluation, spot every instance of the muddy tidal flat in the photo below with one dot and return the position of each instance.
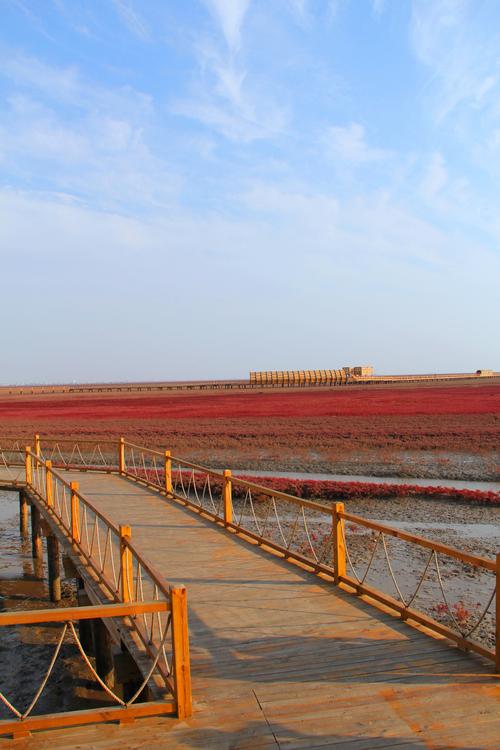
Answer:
(26, 651)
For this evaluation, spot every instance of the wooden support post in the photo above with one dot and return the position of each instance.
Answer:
(338, 542)
(28, 465)
(168, 474)
(23, 514)
(36, 533)
(38, 451)
(227, 497)
(75, 512)
(84, 626)
(126, 568)
(54, 567)
(128, 677)
(497, 603)
(49, 490)
(121, 455)
(103, 652)
(180, 648)
(70, 569)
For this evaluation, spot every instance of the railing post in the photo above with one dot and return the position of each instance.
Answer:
(338, 531)
(29, 465)
(38, 451)
(168, 473)
(497, 607)
(227, 492)
(121, 455)
(126, 569)
(49, 487)
(180, 649)
(75, 512)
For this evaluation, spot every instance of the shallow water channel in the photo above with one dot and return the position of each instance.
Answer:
(459, 484)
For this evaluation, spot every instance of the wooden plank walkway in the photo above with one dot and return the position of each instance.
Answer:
(283, 659)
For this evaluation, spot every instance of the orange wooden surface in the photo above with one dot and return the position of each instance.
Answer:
(282, 658)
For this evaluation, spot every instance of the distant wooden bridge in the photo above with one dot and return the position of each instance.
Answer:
(306, 629)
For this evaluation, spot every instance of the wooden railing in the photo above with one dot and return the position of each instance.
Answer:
(12, 459)
(419, 578)
(100, 455)
(158, 627)
(413, 576)
(25, 721)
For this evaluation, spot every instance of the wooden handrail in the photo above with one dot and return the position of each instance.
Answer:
(44, 485)
(77, 494)
(176, 459)
(312, 504)
(416, 616)
(328, 510)
(224, 514)
(475, 560)
(158, 578)
(66, 614)
(478, 562)
(236, 480)
(337, 569)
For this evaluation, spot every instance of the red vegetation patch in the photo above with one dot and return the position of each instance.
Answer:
(326, 490)
(292, 429)
(351, 401)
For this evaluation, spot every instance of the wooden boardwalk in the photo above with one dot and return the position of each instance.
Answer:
(283, 659)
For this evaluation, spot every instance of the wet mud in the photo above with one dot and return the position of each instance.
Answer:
(26, 651)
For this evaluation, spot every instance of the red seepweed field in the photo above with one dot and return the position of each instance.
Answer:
(423, 430)
(286, 403)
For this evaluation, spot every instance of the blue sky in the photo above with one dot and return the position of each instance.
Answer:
(200, 188)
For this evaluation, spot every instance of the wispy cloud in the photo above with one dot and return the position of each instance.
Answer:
(463, 61)
(81, 137)
(132, 19)
(348, 143)
(227, 102)
(230, 16)
(65, 85)
(226, 96)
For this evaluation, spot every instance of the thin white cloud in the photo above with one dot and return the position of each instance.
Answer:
(242, 124)
(132, 19)
(349, 144)
(65, 85)
(83, 138)
(463, 60)
(230, 15)
(225, 96)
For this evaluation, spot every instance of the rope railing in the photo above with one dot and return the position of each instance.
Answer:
(158, 631)
(67, 453)
(12, 459)
(419, 578)
(78, 454)
(238, 503)
(24, 718)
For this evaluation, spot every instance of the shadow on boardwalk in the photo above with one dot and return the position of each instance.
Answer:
(255, 736)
